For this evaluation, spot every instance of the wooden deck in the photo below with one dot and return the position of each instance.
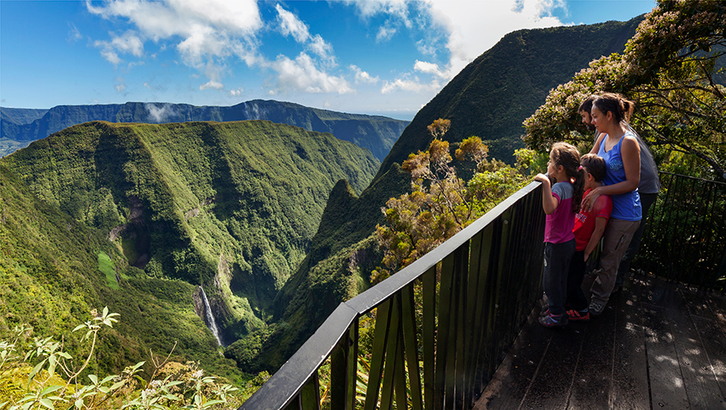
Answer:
(657, 345)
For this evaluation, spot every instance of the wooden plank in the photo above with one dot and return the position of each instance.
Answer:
(666, 380)
(700, 378)
(513, 377)
(553, 384)
(713, 338)
(630, 362)
(708, 313)
(591, 382)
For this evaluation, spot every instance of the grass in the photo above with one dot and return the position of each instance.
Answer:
(105, 265)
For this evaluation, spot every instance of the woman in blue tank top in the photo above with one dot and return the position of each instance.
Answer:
(618, 146)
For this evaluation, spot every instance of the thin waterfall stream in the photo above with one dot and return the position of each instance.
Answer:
(210, 317)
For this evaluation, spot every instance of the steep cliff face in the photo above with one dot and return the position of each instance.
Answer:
(231, 206)
(489, 98)
(374, 133)
(51, 280)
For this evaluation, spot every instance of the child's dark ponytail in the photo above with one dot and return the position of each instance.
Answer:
(568, 156)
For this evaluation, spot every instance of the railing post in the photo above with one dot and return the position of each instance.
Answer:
(392, 354)
(343, 370)
(380, 340)
(310, 394)
(410, 345)
(429, 336)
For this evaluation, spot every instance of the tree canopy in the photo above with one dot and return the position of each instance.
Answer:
(441, 203)
(673, 69)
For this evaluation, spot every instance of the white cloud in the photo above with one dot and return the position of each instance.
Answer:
(73, 33)
(410, 84)
(301, 74)
(236, 92)
(111, 56)
(291, 25)
(474, 27)
(159, 114)
(201, 30)
(385, 33)
(321, 47)
(429, 68)
(362, 76)
(120, 86)
(469, 27)
(395, 8)
(214, 73)
(167, 18)
(211, 84)
(128, 43)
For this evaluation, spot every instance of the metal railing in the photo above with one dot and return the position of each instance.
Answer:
(685, 239)
(442, 324)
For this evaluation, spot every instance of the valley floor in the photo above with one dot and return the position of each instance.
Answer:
(657, 345)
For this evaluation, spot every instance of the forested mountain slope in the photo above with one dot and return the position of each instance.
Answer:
(489, 98)
(18, 127)
(230, 206)
(50, 279)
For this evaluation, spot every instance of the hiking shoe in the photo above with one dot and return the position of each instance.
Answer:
(596, 308)
(553, 321)
(578, 315)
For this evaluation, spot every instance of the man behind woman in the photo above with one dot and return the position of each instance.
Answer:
(618, 146)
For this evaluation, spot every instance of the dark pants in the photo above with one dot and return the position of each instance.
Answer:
(575, 296)
(646, 200)
(557, 258)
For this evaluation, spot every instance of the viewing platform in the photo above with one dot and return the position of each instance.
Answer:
(656, 345)
(457, 329)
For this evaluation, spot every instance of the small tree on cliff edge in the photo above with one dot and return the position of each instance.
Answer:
(440, 203)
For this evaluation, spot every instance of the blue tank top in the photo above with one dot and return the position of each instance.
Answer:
(625, 206)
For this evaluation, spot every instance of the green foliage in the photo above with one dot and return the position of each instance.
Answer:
(54, 381)
(50, 278)
(440, 203)
(230, 205)
(105, 265)
(670, 68)
(305, 302)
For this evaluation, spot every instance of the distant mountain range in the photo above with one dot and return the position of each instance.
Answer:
(19, 127)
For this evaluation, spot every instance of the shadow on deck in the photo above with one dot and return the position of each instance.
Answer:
(656, 345)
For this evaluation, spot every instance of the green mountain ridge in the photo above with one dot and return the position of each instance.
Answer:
(18, 127)
(50, 279)
(230, 206)
(489, 98)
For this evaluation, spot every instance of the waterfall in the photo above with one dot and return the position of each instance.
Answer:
(210, 317)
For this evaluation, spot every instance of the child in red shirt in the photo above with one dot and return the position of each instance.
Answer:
(589, 228)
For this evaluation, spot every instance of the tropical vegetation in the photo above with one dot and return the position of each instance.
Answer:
(673, 68)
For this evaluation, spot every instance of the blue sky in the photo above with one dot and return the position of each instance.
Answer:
(387, 57)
